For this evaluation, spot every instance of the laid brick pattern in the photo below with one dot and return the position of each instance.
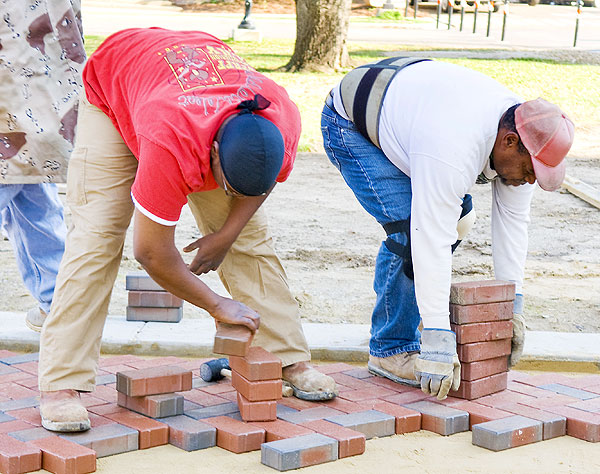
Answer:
(554, 405)
(149, 302)
(481, 317)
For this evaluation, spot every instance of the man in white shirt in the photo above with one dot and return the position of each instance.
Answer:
(411, 151)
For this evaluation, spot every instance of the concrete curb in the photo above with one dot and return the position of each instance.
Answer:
(331, 342)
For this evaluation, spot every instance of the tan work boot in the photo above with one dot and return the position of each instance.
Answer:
(35, 319)
(308, 383)
(399, 367)
(63, 411)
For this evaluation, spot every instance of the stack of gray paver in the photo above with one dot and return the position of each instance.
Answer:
(149, 302)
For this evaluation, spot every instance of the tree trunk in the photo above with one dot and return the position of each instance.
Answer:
(321, 32)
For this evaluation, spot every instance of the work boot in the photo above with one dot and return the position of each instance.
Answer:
(63, 411)
(35, 319)
(308, 383)
(399, 367)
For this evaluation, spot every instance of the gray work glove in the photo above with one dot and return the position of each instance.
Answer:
(518, 338)
(437, 368)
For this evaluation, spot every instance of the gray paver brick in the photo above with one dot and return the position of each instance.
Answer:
(20, 359)
(157, 315)
(569, 391)
(20, 403)
(214, 410)
(31, 434)
(106, 440)
(301, 451)
(371, 423)
(141, 281)
(189, 434)
(440, 418)
(505, 433)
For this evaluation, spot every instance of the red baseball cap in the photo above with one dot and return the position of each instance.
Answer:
(547, 133)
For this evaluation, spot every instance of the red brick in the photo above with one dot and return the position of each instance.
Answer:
(483, 350)
(441, 419)
(350, 442)
(580, 424)
(546, 379)
(154, 406)
(481, 332)
(298, 404)
(88, 400)
(257, 391)
(106, 409)
(203, 398)
(258, 364)
(582, 382)
(233, 340)
(16, 425)
(478, 292)
(17, 457)
(592, 405)
(29, 415)
(387, 383)
(117, 360)
(218, 388)
(152, 432)
(13, 377)
(31, 382)
(16, 392)
(154, 381)
(553, 425)
(361, 373)
(106, 393)
(257, 411)
(480, 413)
(411, 396)
(113, 369)
(159, 362)
(340, 404)
(483, 368)
(6, 353)
(552, 401)
(236, 436)
(481, 313)
(29, 367)
(497, 400)
(529, 390)
(352, 382)
(481, 387)
(328, 369)
(65, 457)
(153, 299)
(407, 420)
(280, 429)
(367, 394)
(97, 420)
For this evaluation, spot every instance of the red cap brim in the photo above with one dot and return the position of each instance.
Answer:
(549, 177)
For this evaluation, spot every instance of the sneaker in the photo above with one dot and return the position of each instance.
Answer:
(308, 383)
(63, 411)
(398, 368)
(35, 319)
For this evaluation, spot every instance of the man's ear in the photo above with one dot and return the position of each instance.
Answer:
(511, 139)
(214, 154)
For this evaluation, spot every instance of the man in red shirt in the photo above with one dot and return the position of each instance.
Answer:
(172, 118)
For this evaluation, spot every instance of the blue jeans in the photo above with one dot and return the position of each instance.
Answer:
(384, 191)
(32, 217)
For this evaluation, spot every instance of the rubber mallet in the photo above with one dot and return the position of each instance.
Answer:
(214, 370)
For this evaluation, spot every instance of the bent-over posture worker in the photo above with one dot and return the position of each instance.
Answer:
(410, 149)
(172, 118)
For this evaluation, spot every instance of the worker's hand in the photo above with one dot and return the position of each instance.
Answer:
(437, 368)
(212, 249)
(518, 338)
(233, 312)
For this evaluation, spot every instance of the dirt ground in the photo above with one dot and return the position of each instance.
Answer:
(328, 245)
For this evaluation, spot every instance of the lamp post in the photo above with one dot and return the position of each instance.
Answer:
(246, 23)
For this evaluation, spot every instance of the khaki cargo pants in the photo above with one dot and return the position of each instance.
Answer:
(101, 172)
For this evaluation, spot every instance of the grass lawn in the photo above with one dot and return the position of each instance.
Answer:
(575, 87)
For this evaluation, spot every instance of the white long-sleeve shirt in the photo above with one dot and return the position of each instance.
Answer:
(438, 125)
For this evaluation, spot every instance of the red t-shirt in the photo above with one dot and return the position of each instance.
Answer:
(167, 93)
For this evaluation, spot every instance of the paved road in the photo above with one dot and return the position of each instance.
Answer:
(541, 27)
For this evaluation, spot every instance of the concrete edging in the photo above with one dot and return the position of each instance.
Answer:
(331, 342)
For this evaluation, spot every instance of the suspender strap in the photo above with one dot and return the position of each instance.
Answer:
(362, 91)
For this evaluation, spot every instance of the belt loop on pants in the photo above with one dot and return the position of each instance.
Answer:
(329, 101)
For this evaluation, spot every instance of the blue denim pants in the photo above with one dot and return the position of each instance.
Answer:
(384, 191)
(32, 217)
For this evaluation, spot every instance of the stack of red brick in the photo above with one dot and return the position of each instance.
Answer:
(481, 316)
(255, 373)
(147, 301)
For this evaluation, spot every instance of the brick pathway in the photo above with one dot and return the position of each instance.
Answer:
(532, 408)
